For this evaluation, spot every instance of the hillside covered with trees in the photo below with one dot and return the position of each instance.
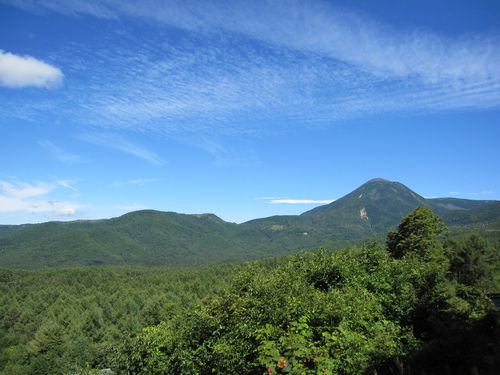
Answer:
(417, 304)
(151, 237)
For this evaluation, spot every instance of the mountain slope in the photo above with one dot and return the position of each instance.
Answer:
(485, 215)
(372, 208)
(142, 237)
(156, 238)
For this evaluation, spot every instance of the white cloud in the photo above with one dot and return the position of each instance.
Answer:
(24, 190)
(60, 154)
(55, 208)
(22, 197)
(26, 71)
(121, 144)
(300, 201)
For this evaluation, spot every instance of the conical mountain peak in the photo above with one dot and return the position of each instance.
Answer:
(377, 204)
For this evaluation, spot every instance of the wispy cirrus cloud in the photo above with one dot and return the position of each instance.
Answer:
(283, 200)
(59, 153)
(138, 181)
(68, 184)
(258, 66)
(301, 201)
(35, 198)
(25, 71)
(319, 27)
(224, 155)
(121, 144)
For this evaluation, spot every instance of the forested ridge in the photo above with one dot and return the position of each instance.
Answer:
(417, 304)
(152, 238)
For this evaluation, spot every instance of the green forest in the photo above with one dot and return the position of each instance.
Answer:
(417, 303)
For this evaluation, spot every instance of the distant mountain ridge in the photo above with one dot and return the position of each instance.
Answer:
(151, 237)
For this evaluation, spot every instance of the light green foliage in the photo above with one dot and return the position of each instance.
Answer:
(319, 312)
(75, 320)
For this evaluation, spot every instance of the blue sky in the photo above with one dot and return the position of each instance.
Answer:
(244, 108)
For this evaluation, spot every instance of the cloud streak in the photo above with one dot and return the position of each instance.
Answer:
(301, 201)
(68, 184)
(121, 144)
(26, 71)
(138, 182)
(59, 154)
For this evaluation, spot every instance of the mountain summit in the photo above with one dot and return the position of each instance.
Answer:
(376, 205)
(167, 238)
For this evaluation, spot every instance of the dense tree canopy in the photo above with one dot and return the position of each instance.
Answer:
(61, 321)
(419, 305)
(351, 312)
(417, 234)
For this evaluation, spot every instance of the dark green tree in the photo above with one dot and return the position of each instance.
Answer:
(417, 234)
(472, 261)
